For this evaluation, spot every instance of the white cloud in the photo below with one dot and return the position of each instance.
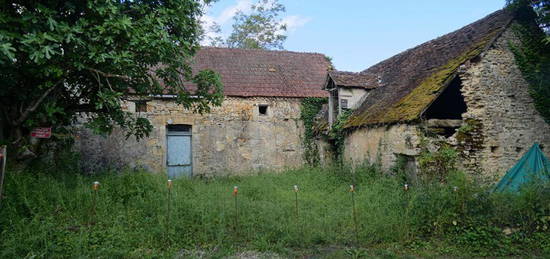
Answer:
(228, 13)
(294, 22)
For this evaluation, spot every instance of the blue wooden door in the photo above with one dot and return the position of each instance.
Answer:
(179, 157)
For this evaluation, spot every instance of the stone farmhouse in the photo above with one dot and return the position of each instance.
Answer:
(257, 127)
(463, 89)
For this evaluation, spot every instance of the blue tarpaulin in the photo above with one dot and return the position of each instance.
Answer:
(532, 166)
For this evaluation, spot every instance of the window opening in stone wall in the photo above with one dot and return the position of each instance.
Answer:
(141, 106)
(262, 109)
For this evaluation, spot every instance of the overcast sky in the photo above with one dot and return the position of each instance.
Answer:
(359, 33)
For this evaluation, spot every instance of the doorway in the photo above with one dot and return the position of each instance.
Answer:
(178, 151)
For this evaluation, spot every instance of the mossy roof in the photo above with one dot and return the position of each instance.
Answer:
(410, 81)
(352, 79)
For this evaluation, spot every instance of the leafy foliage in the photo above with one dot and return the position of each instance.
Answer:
(261, 29)
(60, 59)
(309, 109)
(532, 56)
(435, 165)
(542, 9)
(337, 134)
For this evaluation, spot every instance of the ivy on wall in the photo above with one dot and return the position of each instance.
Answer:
(309, 109)
(533, 57)
(337, 135)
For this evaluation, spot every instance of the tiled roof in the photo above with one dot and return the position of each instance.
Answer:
(411, 80)
(351, 79)
(253, 72)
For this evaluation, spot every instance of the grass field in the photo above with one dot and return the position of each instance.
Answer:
(50, 212)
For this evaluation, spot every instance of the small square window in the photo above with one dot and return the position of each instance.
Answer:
(141, 106)
(344, 103)
(262, 109)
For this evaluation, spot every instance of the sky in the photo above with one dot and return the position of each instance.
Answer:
(357, 34)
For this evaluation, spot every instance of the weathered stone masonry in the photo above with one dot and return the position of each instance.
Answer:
(504, 122)
(232, 138)
(498, 97)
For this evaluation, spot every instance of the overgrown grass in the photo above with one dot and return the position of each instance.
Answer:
(49, 214)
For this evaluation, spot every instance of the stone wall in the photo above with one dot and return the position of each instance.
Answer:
(502, 122)
(382, 144)
(506, 123)
(233, 138)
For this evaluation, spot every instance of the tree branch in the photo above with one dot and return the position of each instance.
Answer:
(33, 107)
(108, 75)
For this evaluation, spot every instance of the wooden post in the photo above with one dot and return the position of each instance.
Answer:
(352, 191)
(235, 193)
(168, 226)
(296, 199)
(169, 200)
(3, 154)
(95, 188)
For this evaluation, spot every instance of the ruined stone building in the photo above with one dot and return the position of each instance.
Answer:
(257, 127)
(463, 88)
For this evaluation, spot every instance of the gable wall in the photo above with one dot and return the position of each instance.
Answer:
(498, 98)
(233, 138)
(505, 122)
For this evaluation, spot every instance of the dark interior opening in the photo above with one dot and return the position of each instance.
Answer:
(449, 105)
(178, 127)
(141, 106)
(262, 108)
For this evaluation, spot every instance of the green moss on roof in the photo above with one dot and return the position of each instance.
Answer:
(410, 107)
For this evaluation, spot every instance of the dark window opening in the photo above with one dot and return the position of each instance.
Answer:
(449, 105)
(334, 97)
(178, 127)
(141, 106)
(262, 108)
(344, 103)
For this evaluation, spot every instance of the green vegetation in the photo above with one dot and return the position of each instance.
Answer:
(309, 109)
(48, 212)
(533, 56)
(337, 135)
(59, 59)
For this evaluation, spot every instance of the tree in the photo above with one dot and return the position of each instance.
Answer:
(533, 54)
(60, 60)
(262, 28)
(542, 9)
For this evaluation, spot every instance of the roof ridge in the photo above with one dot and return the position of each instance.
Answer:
(419, 46)
(414, 77)
(264, 50)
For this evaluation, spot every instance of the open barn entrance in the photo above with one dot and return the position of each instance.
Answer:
(444, 115)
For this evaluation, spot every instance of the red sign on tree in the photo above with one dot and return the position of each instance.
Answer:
(41, 132)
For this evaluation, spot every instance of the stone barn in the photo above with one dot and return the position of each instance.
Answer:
(463, 88)
(257, 127)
